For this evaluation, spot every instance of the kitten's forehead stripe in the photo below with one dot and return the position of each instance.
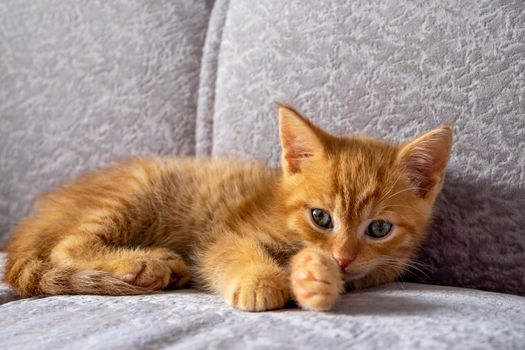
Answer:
(365, 199)
(361, 172)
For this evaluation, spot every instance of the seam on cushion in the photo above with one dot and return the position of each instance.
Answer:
(208, 78)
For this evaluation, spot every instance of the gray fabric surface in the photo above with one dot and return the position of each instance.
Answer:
(394, 70)
(208, 78)
(396, 316)
(84, 83)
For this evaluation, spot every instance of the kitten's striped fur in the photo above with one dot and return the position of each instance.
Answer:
(238, 228)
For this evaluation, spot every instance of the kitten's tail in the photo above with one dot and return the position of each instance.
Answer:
(34, 277)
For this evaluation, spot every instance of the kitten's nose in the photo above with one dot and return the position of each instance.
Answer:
(344, 261)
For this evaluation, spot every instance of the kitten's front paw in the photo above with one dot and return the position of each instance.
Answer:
(316, 280)
(258, 289)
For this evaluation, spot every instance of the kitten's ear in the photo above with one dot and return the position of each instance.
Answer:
(300, 139)
(425, 159)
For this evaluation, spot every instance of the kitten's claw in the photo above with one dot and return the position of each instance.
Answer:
(263, 289)
(316, 280)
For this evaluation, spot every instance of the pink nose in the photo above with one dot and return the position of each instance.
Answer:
(344, 261)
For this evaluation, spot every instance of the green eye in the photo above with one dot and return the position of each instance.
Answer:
(321, 218)
(379, 228)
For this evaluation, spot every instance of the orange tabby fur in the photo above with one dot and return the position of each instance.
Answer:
(237, 228)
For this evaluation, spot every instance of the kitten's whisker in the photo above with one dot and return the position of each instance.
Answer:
(407, 266)
(420, 267)
(419, 263)
(404, 206)
(396, 213)
(413, 269)
(401, 191)
(391, 188)
(387, 269)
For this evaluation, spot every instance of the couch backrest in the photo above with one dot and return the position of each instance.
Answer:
(85, 83)
(394, 70)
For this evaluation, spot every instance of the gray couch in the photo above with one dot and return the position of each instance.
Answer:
(83, 84)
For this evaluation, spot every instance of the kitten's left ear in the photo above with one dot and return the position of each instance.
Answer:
(301, 140)
(426, 158)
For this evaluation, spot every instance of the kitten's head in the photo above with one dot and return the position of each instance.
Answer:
(365, 201)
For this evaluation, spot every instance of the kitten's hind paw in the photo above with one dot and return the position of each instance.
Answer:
(153, 269)
(259, 289)
(316, 280)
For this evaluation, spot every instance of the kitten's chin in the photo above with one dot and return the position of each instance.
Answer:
(359, 271)
(354, 276)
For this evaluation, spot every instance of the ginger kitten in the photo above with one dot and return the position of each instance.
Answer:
(342, 209)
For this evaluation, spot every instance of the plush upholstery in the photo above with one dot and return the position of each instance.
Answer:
(85, 83)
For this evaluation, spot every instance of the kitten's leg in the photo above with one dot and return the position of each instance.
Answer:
(150, 268)
(316, 279)
(240, 270)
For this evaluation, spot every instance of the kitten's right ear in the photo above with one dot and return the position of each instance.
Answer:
(301, 140)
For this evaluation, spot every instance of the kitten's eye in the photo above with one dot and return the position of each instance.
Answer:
(321, 218)
(379, 229)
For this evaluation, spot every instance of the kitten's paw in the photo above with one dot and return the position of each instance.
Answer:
(316, 280)
(179, 272)
(258, 289)
(153, 269)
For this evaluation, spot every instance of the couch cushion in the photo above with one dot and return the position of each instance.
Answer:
(394, 70)
(84, 83)
(397, 315)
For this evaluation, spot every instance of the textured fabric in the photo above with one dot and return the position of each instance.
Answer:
(208, 77)
(84, 83)
(6, 294)
(394, 70)
(394, 316)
